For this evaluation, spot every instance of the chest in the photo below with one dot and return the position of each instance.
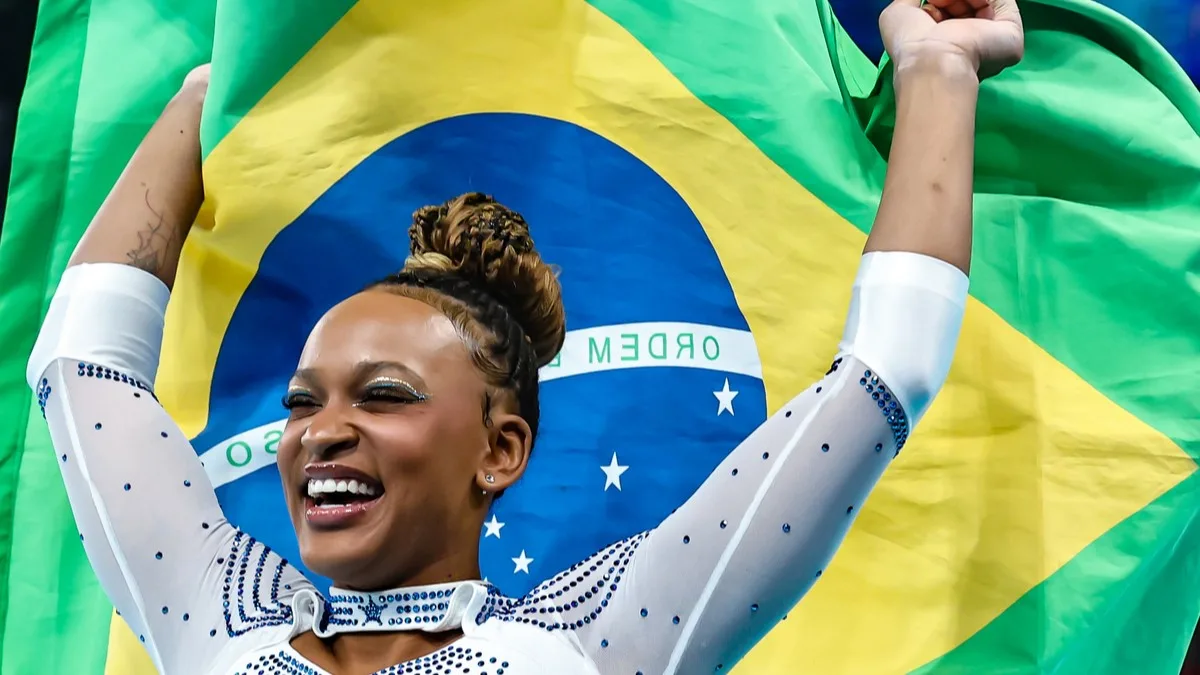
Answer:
(495, 648)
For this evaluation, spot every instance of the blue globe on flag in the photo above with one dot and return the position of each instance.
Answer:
(658, 380)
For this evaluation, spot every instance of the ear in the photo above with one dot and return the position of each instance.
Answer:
(510, 440)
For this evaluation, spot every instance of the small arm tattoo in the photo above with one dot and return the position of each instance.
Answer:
(156, 243)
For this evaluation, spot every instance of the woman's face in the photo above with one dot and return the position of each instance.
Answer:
(385, 444)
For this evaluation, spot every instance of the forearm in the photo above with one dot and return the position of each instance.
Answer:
(927, 195)
(147, 215)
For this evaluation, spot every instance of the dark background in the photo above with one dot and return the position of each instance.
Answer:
(16, 34)
(1176, 23)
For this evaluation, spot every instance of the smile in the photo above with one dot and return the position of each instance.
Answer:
(333, 488)
(335, 496)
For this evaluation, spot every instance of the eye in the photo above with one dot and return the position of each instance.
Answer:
(391, 391)
(298, 400)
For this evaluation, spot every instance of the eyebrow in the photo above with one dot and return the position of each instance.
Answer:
(366, 369)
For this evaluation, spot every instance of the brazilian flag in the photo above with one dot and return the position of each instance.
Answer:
(704, 173)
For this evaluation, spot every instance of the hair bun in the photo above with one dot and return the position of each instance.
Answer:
(481, 240)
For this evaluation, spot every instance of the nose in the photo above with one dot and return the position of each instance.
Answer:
(328, 433)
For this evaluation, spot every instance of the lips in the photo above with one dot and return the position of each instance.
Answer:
(336, 495)
(324, 470)
(336, 516)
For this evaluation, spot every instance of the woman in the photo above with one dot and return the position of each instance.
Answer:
(415, 405)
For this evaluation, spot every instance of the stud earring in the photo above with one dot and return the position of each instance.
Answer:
(489, 478)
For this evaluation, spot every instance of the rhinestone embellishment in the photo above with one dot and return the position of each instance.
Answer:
(889, 407)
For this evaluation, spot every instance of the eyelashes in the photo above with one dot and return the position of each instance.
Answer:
(397, 391)
(382, 390)
(295, 399)
(395, 386)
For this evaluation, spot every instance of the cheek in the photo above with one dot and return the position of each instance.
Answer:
(403, 444)
(434, 446)
(287, 454)
(289, 444)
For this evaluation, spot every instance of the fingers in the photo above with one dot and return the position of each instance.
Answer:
(948, 8)
(958, 9)
(973, 4)
(940, 10)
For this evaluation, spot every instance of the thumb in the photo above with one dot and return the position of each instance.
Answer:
(1006, 10)
(1009, 45)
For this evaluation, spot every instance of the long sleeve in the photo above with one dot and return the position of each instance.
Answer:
(188, 583)
(696, 593)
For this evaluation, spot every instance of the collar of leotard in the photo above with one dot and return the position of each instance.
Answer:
(434, 609)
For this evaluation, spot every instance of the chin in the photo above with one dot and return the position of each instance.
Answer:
(343, 543)
(348, 558)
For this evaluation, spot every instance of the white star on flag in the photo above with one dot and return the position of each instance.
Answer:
(612, 473)
(493, 528)
(522, 563)
(725, 399)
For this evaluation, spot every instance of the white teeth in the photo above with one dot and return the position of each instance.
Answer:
(318, 487)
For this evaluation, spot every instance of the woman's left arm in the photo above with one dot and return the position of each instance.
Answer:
(696, 593)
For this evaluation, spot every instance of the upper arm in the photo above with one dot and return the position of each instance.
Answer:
(146, 511)
(704, 586)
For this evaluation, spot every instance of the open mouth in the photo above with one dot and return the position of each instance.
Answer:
(336, 493)
(341, 491)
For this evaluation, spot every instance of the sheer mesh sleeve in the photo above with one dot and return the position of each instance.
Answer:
(696, 593)
(187, 582)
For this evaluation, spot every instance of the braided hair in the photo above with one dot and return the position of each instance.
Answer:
(474, 260)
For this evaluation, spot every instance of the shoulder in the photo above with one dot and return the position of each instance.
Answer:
(572, 598)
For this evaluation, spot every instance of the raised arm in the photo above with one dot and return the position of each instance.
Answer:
(696, 593)
(145, 218)
(927, 195)
(185, 580)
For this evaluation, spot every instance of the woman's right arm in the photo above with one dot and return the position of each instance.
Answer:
(186, 581)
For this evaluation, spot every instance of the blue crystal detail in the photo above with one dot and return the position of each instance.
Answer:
(888, 406)
(255, 601)
(43, 395)
(573, 598)
(452, 658)
(105, 373)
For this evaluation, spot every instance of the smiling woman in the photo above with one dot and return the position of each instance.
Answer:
(415, 404)
(477, 311)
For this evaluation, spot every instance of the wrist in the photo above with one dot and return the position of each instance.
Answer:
(191, 94)
(185, 110)
(944, 66)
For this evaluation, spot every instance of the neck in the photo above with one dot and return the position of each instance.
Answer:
(457, 564)
(363, 639)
